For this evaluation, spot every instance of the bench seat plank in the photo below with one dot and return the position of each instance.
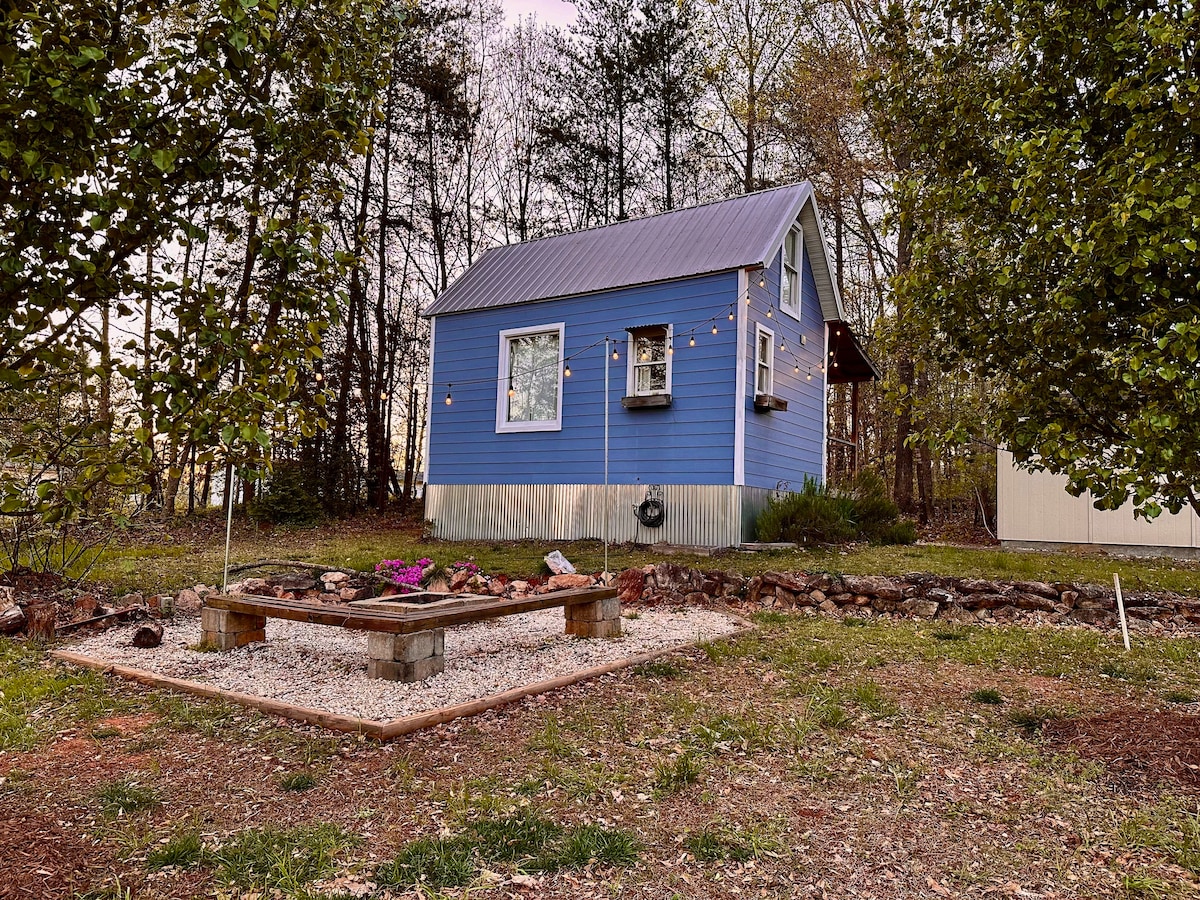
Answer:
(403, 622)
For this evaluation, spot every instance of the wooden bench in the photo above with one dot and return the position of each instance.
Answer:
(404, 644)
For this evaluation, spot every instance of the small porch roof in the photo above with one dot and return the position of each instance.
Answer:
(848, 362)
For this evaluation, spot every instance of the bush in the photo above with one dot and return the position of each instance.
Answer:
(818, 514)
(288, 498)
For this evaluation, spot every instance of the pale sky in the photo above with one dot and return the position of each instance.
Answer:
(552, 12)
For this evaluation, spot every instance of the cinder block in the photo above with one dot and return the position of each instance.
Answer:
(595, 611)
(608, 628)
(405, 671)
(406, 647)
(230, 622)
(223, 640)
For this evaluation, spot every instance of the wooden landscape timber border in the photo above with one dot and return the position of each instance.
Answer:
(385, 730)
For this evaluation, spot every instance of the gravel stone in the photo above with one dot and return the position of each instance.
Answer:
(323, 667)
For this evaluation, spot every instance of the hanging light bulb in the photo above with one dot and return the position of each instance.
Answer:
(797, 370)
(770, 314)
(692, 341)
(615, 352)
(319, 377)
(511, 391)
(449, 399)
(567, 371)
(714, 329)
(645, 355)
(670, 349)
(731, 314)
(762, 278)
(810, 376)
(783, 346)
(383, 395)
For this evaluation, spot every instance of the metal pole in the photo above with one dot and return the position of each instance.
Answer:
(606, 501)
(228, 526)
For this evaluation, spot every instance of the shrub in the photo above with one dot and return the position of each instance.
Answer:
(813, 515)
(818, 514)
(287, 498)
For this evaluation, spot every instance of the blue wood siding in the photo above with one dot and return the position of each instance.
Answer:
(787, 446)
(690, 442)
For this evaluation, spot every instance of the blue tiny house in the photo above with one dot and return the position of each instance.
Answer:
(681, 359)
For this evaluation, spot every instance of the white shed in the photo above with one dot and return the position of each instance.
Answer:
(1034, 511)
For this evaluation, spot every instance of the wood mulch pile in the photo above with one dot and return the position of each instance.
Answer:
(1139, 747)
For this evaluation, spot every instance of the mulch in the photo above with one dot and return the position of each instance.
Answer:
(1139, 747)
(40, 858)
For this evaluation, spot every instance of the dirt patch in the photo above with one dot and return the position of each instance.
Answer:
(1139, 747)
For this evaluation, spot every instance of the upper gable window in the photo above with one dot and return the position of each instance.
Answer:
(529, 395)
(649, 372)
(789, 282)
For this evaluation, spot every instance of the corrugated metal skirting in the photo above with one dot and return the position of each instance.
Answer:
(702, 515)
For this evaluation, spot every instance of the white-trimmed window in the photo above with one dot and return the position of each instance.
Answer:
(649, 366)
(790, 277)
(764, 360)
(529, 389)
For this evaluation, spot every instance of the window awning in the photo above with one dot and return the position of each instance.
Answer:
(848, 362)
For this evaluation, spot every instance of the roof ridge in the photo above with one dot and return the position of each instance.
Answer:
(657, 215)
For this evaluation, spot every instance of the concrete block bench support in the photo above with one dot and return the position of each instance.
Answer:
(597, 619)
(406, 657)
(226, 629)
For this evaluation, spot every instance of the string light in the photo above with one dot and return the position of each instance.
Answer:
(714, 329)
(670, 349)
(810, 376)
(567, 371)
(511, 390)
(798, 369)
(645, 355)
(731, 314)
(692, 341)
(769, 312)
(783, 345)
(449, 399)
(615, 352)
(762, 278)
(383, 395)
(318, 378)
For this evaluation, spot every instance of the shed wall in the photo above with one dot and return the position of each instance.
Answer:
(690, 442)
(1035, 508)
(782, 448)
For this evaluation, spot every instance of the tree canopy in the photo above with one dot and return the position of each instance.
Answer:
(131, 129)
(1054, 200)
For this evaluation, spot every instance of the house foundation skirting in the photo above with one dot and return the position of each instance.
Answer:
(702, 515)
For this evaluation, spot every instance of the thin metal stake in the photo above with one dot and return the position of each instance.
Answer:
(1121, 610)
(606, 503)
(228, 527)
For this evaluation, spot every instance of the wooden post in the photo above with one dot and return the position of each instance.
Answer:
(854, 428)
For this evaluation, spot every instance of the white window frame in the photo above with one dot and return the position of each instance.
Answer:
(503, 426)
(631, 363)
(759, 331)
(796, 283)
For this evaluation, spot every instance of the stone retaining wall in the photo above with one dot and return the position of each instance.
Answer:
(919, 595)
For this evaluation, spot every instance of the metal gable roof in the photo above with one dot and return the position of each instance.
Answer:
(715, 237)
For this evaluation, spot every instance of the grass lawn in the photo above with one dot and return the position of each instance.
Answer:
(814, 758)
(181, 554)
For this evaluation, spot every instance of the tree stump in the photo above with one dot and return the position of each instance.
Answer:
(41, 621)
(148, 635)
